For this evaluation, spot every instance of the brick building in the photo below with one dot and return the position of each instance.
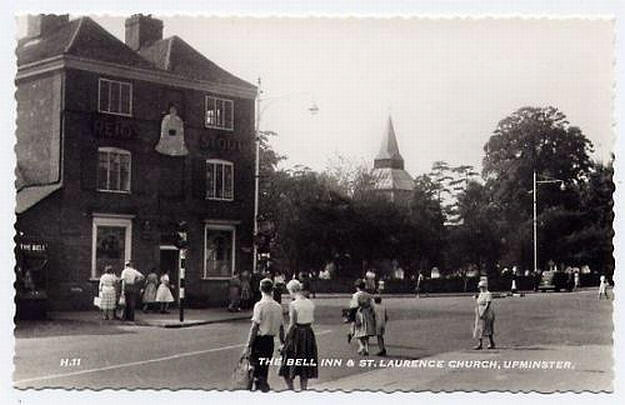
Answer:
(107, 168)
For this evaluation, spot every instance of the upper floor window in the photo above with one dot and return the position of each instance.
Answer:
(219, 113)
(219, 180)
(114, 170)
(114, 97)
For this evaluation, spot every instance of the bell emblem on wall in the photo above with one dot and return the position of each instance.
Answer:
(171, 141)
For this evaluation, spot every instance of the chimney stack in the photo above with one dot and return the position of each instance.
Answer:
(44, 24)
(142, 30)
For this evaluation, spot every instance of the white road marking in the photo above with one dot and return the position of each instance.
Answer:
(137, 363)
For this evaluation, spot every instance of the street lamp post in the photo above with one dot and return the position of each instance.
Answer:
(313, 109)
(535, 183)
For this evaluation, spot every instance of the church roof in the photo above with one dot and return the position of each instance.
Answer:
(388, 172)
(389, 150)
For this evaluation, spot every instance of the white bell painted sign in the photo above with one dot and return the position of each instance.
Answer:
(171, 141)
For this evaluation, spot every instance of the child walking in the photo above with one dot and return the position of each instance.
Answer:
(381, 317)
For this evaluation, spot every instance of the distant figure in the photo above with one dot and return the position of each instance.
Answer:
(246, 290)
(420, 284)
(234, 294)
(381, 286)
(163, 293)
(484, 317)
(279, 286)
(370, 281)
(603, 287)
(576, 280)
(325, 274)
(381, 317)
(108, 299)
(255, 284)
(149, 292)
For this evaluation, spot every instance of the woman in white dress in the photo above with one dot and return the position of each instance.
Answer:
(163, 293)
(107, 294)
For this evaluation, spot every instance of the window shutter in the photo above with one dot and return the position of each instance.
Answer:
(89, 167)
(198, 179)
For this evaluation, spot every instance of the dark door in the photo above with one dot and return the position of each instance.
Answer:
(169, 263)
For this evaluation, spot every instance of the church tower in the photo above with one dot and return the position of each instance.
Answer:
(388, 169)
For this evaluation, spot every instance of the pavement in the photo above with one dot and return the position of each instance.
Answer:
(192, 317)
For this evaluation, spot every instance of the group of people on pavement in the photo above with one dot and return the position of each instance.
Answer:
(153, 292)
(298, 346)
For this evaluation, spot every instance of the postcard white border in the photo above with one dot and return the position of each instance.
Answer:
(448, 8)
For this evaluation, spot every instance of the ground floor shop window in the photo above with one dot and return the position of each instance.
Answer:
(111, 243)
(219, 248)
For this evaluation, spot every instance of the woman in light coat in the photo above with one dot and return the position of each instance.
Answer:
(484, 317)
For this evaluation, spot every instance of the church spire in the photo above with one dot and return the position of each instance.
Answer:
(389, 156)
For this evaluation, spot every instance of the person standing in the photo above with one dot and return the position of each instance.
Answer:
(370, 281)
(267, 322)
(299, 354)
(255, 285)
(149, 292)
(603, 287)
(381, 317)
(108, 298)
(131, 279)
(246, 290)
(484, 317)
(279, 286)
(364, 323)
(419, 284)
(163, 294)
(234, 294)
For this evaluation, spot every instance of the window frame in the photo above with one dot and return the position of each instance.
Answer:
(225, 100)
(120, 82)
(123, 221)
(212, 162)
(120, 151)
(219, 227)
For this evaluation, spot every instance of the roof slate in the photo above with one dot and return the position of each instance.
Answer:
(177, 56)
(85, 38)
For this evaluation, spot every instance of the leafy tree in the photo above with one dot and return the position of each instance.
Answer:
(542, 140)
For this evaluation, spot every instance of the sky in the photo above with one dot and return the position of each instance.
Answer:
(445, 82)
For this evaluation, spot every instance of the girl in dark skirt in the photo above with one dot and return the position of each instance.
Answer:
(299, 353)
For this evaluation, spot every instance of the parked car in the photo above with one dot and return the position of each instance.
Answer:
(556, 280)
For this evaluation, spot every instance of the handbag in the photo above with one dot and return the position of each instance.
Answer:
(96, 301)
(122, 301)
(243, 374)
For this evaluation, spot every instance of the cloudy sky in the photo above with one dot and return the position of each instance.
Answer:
(446, 82)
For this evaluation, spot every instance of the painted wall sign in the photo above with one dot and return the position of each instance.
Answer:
(220, 143)
(117, 129)
(171, 141)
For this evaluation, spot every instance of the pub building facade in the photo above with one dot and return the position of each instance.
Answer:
(117, 144)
